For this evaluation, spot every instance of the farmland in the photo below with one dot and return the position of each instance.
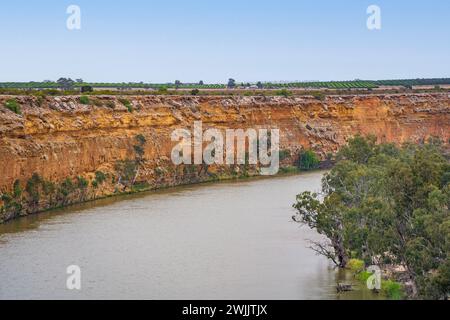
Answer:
(332, 85)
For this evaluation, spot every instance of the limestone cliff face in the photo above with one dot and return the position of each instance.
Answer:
(64, 143)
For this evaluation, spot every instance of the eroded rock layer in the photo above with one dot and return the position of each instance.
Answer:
(76, 151)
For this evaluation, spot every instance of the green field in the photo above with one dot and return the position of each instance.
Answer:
(336, 85)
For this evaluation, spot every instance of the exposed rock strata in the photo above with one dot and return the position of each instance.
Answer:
(59, 138)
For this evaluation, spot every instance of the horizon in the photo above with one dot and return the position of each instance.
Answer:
(287, 41)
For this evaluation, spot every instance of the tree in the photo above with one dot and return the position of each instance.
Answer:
(201, 83)
(259, 85)
(177, 83)
(65, 83)
(308, 160)
(231, 83)
(86, 89)
(386, 205)
(79, 80)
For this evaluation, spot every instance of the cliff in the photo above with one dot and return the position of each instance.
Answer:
(57, 151)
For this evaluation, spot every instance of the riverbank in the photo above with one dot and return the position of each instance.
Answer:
(203, 241)
(60, 150)
(144, 188)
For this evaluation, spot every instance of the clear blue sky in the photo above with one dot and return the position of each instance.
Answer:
(210, 40)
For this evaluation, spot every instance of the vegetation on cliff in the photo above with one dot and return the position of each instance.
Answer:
(388, 206)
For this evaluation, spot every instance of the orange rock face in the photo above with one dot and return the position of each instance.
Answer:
(60, 138)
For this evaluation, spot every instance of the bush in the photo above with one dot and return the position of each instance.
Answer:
(127, 104)
(283, 92)
(84, 100)
(100, 177)
(13, 105)
(308, 160)
(392, 289)
(318, 95)
(355, 265)
(87, 89)
(17, 189)
(284, 154)
(82, 183)
(195, 92)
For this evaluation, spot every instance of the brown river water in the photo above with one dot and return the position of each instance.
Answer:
(227, 240)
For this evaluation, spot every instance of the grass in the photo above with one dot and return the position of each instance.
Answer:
(13, 105)
(84, 100)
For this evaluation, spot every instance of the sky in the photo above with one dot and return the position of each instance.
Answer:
(210, 40)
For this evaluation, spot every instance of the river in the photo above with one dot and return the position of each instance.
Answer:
(227, 240)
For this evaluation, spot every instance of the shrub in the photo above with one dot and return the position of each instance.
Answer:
(100, 177)
(363, 276)
(392, 289)
(288, 169)
(48, 187)
(283, 92)
(195, 92)
(355, 265)
(318, 95)
(162, 90)
(66, 187)
(308, 160)
(284, 154)
(84, 100)
(32, 187)
(127, 104)
(87, 89)
(17, 189)
(82, 183)
(13, 105)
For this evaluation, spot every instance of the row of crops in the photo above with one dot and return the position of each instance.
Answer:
(356, 84)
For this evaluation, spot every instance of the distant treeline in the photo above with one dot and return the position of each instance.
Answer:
(355, 84)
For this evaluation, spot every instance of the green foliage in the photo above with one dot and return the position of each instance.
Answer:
(162, 90)
(284, 154)
(84, 100)
(308, 160)
(32, 188)
(127, 104)
(318, 95)
(388, 204)
(48, 187)
(126, 170)
(288, 169)
(17, 189)
(100, 177)
(363, 276)
(355, 265)
(82, 183)
(284, 93)
(195, 92)
(392, 289)
(87, 89)
(13, 105)
(66, 188)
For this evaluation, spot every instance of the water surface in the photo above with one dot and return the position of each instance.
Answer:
(232, 240)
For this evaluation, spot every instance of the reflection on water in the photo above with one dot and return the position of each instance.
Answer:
(232, 240)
